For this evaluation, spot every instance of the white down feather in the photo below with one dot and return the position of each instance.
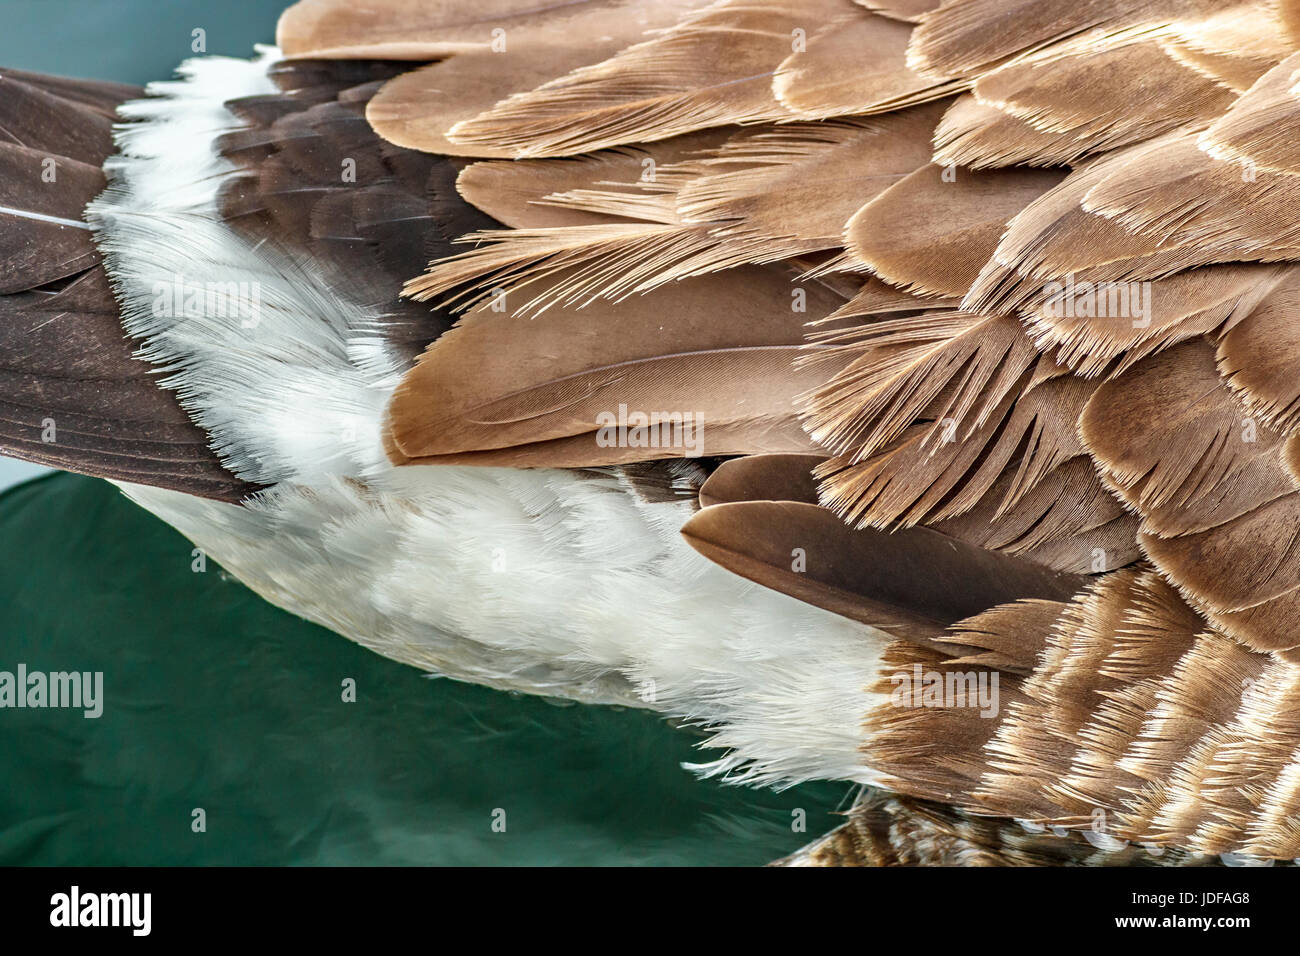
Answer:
(542, 581)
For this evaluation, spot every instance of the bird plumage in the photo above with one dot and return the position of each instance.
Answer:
(987, 303)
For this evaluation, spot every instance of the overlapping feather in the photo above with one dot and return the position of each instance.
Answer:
(1079, 360)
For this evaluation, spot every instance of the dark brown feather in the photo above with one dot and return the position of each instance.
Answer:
(72, 393)
(55, 125)
(42, 235)
(73, 396)
(912, 582)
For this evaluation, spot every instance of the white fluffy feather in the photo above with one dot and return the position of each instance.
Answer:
(548, 582)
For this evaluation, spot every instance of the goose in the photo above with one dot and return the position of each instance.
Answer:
(896, 390)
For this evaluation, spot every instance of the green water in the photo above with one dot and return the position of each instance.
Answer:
(213, 699)
(132, 41)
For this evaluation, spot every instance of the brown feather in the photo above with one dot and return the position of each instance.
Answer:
(1137, 723)
(38, 119)
(497, 57)
(498, 381)
(887, 830)
(430, 29)
(1179, 447)
(912, 582)
(713, 68)
(855, 64)
(100, 95)
(42, 236)
(519, 192)
(1075, 100)
(67, 371)
(765, 195)
(762, 478)
(933, 231)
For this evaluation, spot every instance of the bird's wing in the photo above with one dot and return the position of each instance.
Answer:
(74, 394)
(988, 302)
(1046, 364)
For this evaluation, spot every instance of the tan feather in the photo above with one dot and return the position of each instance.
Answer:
(1179, 447)
(1067, 520)
(887, 830)
(933, 231)
(1061, 523)
(1259, 129)
(875, 297)
(1075, 100)
(1108, 329)
(980, 136)
(1233, 73)
(1216, 497)
(500, 52)
(969, 36)
(762, 478)
(909, 11)
(500, 381)
(1259, 357)
(939, 365)
(521, 193)
(1098, 226)
(1107, 95)
(1243, 574)
(713, 68)
(1105, 548)
(1054, 237)
(1234, 45)
(430, 29)
(1137, 723)
(1161, 196)
(925, 478)
(856, 63)
(762, 197)
(1008, 637)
